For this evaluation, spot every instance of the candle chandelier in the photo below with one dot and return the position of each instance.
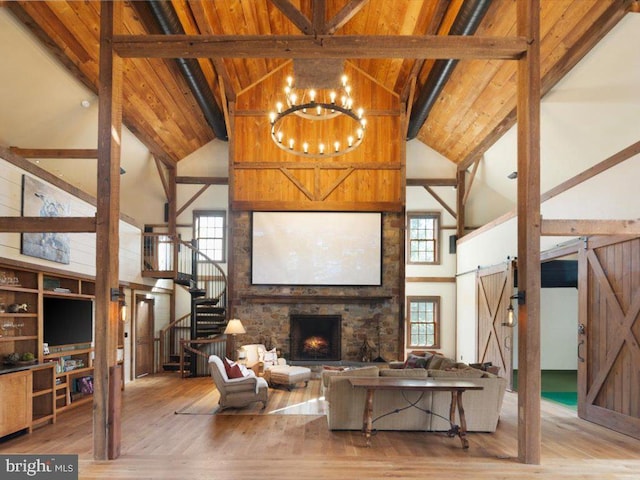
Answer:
(317, 105)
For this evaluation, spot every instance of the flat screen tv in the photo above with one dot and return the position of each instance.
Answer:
(316, 248)
(67, 321)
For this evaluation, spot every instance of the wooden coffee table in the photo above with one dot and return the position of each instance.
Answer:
(456, 387)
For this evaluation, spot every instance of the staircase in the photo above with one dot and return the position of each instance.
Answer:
(187, 342)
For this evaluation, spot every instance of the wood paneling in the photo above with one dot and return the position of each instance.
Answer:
(475, 108)
(267, 177)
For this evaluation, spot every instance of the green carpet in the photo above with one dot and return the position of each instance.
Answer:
(557, 385)
(569, 399)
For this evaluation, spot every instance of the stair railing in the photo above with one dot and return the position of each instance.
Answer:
(170, 337)
(167, 257)
(215, 346)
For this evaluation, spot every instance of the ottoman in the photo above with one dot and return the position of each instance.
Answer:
(287, 375)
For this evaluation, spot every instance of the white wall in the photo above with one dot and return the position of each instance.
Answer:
(82, 245)
(584, 120)
(424, 163)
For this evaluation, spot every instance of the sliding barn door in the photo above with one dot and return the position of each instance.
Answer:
(495, 341)
(608, 336)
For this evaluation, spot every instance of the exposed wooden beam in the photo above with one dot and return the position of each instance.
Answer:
(163, 174)
(17, 160)
(590, 37)
(106, 413)
(431, 182)
(317, 19)
(296, 17)
(55, 152)
(47, 224)
(203, 180)
(562, 228)
(432, 29)
(322, 46)
(191, 200)
(467, 190)
(461, 179)
(431, 279)
(441, 201)
(57, 52)
(528, 108)
(613, 160)
(345, 14)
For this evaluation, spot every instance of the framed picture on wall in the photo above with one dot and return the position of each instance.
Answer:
(42, 200)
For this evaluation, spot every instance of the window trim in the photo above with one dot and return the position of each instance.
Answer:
(438, 234)
(212, 213)
(437, 322)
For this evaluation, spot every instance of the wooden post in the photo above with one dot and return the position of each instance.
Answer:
(107, 232)
(529, 430)
(461, 178)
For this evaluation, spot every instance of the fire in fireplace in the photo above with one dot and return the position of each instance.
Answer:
(315, 337)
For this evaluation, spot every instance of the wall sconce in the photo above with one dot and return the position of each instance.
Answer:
(118, 296)
(511, 317)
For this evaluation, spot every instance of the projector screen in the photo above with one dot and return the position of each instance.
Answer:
(316, 248)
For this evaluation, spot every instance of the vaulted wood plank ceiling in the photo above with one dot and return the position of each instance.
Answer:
(474, 107)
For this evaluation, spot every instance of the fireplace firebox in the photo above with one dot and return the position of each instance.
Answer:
(315, 337)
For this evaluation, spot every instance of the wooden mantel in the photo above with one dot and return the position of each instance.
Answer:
(310, 299)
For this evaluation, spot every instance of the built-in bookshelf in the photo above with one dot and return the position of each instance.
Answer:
(39, 380)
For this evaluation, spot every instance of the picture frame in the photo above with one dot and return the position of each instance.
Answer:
(42, 200)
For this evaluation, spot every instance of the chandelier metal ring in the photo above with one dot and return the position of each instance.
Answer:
(324, 151)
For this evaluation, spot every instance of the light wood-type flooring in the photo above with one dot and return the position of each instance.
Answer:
(159, 444)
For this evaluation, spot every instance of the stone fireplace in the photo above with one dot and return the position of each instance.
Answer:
(266, 310)
(315, 337)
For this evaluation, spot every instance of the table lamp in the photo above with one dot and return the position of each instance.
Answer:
(234, 327)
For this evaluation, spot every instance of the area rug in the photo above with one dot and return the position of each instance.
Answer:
(299, 401)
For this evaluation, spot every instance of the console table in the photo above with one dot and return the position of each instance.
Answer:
(456, 387)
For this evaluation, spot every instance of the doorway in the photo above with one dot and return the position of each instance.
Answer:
(144, 322)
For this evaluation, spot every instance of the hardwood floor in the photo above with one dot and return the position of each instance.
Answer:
(158, 444)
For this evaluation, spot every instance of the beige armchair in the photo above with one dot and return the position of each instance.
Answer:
(259, 359)
(237, 392)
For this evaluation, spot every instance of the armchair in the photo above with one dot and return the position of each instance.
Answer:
(259, 359)
(237, 392)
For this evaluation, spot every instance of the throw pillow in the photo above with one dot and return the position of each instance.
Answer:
(416, 361)
(271, 357)
(260, 354)
(440, 362)
(232, 369)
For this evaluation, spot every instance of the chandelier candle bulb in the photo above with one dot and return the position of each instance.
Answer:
(313, 105)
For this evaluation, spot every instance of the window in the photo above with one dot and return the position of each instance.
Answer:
(210, 232)
(423, 322)
(424, 232)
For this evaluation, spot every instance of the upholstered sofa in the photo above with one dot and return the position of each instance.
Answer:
(345, 404)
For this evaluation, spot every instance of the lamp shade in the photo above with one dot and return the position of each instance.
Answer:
(234, 327)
